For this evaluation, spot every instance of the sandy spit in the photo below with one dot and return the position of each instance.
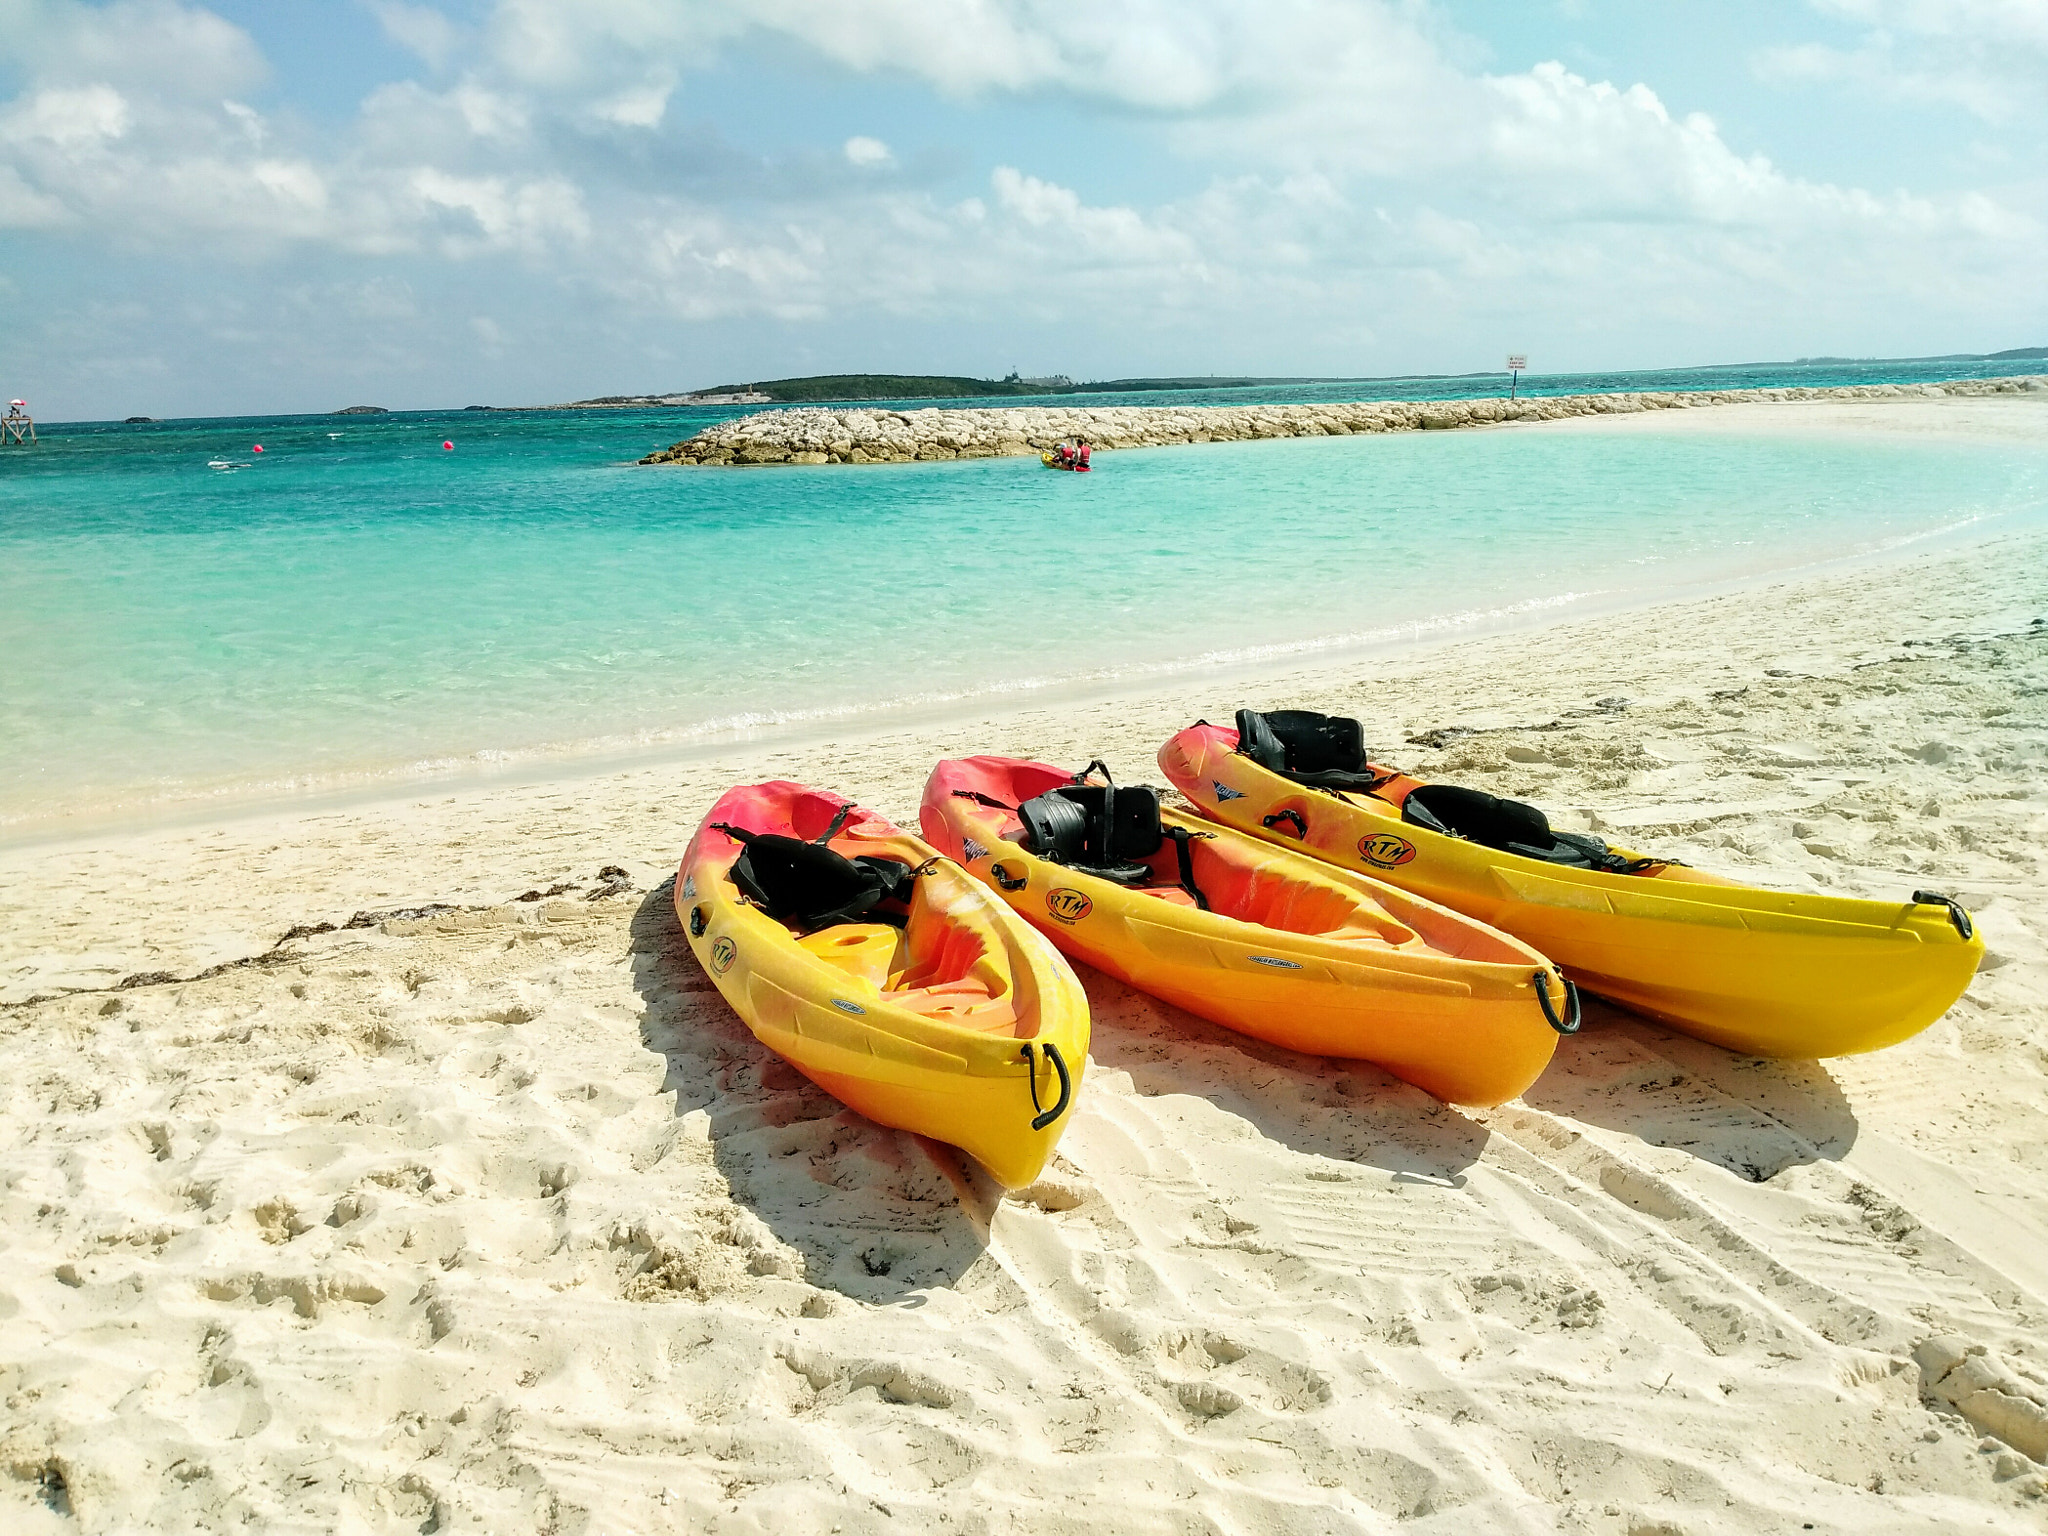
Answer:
(494, 1218)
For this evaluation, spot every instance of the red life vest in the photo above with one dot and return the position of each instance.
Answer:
(1084, 453)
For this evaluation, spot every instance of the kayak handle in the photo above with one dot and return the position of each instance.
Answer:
(1569, 1024)
(1005, 879)
(1956, 914)
(699, 921)
(1300, 821)
(1052, 1054)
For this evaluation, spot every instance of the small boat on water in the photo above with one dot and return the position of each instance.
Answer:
(1267, 942)
(885, 974)
(1767, 973)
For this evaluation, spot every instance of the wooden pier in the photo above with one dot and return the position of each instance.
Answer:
(17, 428)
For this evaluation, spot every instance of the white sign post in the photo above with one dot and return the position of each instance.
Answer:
(1517, 362)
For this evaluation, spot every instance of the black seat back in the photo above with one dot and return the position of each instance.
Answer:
(1473, 814)
(813, 886)
(1324, 751)
(1095, 828)
(1512, 826)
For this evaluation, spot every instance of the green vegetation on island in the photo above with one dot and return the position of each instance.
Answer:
(905, 386)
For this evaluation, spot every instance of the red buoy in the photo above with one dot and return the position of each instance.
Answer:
(259, 447)
(449, 446)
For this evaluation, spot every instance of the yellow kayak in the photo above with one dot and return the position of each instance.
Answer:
(1768, 973)
(1266, 942)
(885, 974)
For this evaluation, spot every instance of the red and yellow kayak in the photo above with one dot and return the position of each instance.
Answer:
(1264, 941)
(886, 975)
(1767, 973)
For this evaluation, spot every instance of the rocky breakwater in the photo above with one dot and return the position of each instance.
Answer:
(858, 435)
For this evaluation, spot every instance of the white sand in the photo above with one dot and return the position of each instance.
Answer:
(500, 1221)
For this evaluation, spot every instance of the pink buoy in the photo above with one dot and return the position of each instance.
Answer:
(259, 447)
(450, 447)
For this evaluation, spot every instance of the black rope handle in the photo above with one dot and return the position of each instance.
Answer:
(1956, 914)
(1569, 1024)
(1300, 821)
(1094, 763)
(1052, 1054)
(1005, 879)
(838, 824)
(980, 799)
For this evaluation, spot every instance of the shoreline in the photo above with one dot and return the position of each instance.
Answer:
(1125, 722)
(854, 435)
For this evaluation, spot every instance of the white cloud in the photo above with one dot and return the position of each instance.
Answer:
(1989, 57)
(864, 151)
(72, 120)
(419, 29)
(23, 207)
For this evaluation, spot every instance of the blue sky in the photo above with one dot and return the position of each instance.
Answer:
(277, 205)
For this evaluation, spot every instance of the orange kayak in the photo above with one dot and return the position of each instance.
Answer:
(886, 975)
(1264, 941)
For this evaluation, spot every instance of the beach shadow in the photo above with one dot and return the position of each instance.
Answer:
(1751, 1116)
(876, 1214)
(1320, 1106)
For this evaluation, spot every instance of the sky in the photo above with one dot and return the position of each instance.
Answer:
(282, 205)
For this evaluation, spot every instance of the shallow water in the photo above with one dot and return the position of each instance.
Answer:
(183, 618)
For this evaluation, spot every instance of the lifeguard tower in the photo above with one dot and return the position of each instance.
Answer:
(17, 426)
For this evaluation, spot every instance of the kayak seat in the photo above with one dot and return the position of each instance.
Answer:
(1097, 829)
(1322, 751)
(811, 886)
(1511, 826)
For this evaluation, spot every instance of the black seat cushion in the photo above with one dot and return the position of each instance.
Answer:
(814, 886)
(1322, 751)
(1512, 826)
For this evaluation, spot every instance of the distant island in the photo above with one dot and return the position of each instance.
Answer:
(914, 386)
(362, 410)
(2015, 354)
(910, 386)
(851, 387)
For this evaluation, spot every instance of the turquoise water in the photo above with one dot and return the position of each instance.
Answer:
(183, 619)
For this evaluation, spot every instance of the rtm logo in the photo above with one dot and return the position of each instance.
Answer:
(723, 953)
(1067, 905)
(1383, 850)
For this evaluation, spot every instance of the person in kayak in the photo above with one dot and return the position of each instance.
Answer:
(1081, 454)
(1065, 454)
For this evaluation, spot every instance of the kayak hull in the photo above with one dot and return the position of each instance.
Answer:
(1434, 998)
(1766, 973)
(923, 1028)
